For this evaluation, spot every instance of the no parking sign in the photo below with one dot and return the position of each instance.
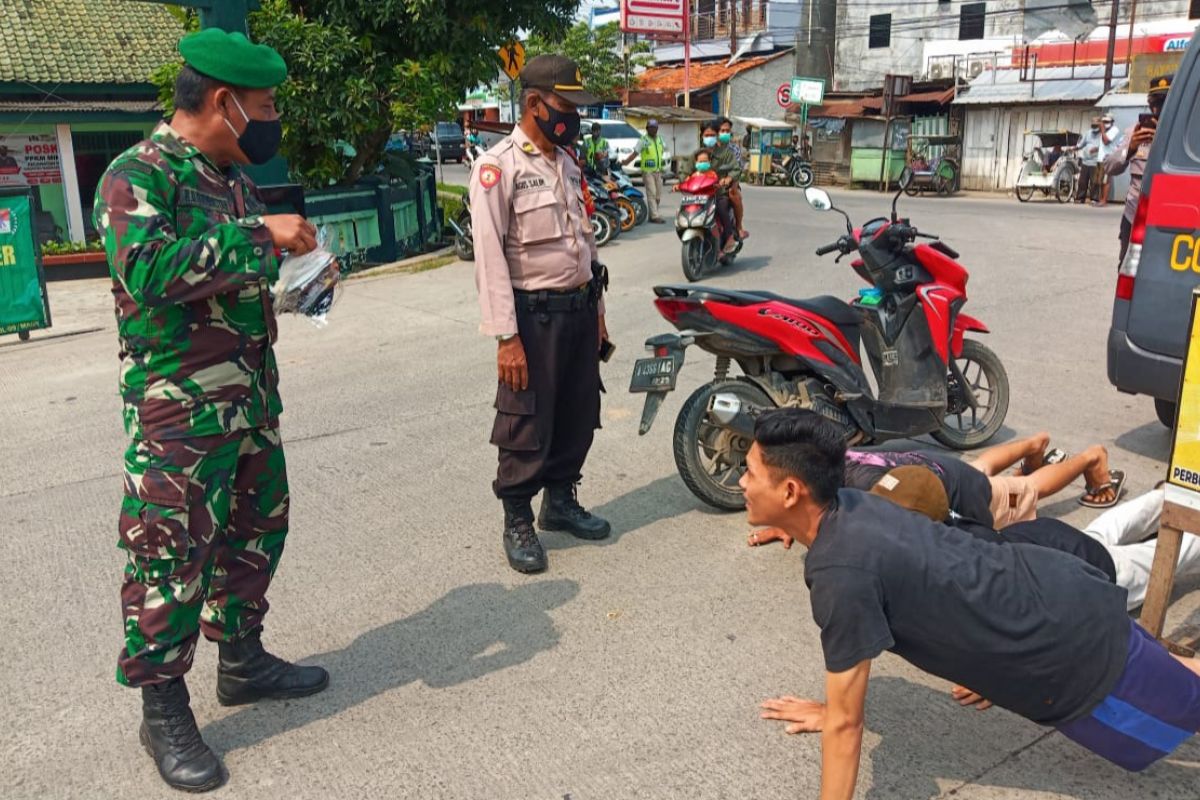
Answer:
(783, 95)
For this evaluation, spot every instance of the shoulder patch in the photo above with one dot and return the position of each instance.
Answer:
(528, 147)
(489, 175)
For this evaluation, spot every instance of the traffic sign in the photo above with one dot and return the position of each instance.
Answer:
(783, 95)
(653, 16)
(810, 91)
(512, 59)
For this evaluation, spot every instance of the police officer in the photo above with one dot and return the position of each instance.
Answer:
(651, 149)
(1131, 153)
(596, 150)
(205, 513)
(540, 293)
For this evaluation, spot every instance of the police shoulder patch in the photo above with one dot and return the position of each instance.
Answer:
(489, 175)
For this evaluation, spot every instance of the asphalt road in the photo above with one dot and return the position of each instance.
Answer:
(634, 667)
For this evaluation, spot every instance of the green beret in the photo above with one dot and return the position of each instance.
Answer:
(232, 58)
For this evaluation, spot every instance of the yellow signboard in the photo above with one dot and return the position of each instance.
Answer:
(512, 59)
(1185, 449)
(1148, 66)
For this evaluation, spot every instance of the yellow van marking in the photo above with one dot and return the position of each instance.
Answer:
(1185, 253)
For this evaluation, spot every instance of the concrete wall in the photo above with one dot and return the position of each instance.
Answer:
(752, 93)
(860, 67)
(995, 140)
(816, 40)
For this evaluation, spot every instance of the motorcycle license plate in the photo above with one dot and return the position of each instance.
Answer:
(694, 199)
(654, 375)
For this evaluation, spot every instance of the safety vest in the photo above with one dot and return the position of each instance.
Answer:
(652, 162)
(594, 146)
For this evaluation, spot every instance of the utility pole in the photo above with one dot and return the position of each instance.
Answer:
(1129, 43)
(732, 27)
(1112, 45)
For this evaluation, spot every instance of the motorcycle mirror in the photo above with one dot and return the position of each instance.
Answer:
(818, 199)
(905, 180)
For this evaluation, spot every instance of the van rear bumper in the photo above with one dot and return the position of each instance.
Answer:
(1136, 371)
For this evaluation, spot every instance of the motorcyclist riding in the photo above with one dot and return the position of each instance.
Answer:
(725, 163)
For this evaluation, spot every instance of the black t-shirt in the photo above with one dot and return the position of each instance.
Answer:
(968, 490)
(1050, 533)
(1035, 631)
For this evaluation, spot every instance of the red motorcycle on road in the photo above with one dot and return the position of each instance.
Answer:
(699, 227)
(806, 353)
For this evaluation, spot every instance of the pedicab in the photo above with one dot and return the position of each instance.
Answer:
(1051, 166)
(935, 163)
(772, 156)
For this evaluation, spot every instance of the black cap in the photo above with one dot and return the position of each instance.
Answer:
(557, 74)
(1161, 85)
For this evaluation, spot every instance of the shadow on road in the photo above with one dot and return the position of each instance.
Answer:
(470, 632)
(1152, 440)
(918, 750)
(632, 511)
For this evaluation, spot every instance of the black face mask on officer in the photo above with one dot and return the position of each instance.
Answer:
(560, 127)
(261, 137)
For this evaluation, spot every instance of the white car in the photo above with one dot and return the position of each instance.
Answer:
(622, 139)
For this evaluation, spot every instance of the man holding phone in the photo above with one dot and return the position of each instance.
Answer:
(541, 296)
(1131, 154)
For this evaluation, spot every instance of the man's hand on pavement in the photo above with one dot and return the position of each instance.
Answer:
(292, 232)
(511, 366)
(804, 716)
(768, 535)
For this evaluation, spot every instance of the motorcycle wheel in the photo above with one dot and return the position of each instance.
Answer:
(694, 258)
(1025, 193)
(963, 427)
(642, 210)
(711, 459)
(601, 229)
(464, 246)
(614, 221)
(628, 213)
(802, 177)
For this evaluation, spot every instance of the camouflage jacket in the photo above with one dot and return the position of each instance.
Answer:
(191, 262)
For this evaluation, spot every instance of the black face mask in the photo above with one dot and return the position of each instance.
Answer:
(260, 141)
(561, 127)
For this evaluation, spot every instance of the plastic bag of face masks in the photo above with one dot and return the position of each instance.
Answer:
(309, 284)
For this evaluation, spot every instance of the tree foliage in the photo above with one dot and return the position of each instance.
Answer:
(599, 53)
(360, 69)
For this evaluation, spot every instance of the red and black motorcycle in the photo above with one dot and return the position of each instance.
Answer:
(806, 353)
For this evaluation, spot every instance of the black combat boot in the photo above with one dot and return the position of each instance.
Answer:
(521, 545)
(246, 673)
(561, 512)
(170, 736)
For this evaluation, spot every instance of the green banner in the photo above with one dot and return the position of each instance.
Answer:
(22, 287)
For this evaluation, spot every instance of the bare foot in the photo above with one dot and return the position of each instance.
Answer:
(768, 535)
(803, 716)
(965, 697)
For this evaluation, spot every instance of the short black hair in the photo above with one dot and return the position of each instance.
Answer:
(703, 150)
(724, 120)
(191, 88)
(713, 125)
(804, 445)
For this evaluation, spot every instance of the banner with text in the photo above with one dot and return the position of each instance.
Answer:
(29, 160)
(22, 287)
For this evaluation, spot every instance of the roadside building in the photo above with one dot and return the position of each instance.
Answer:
(75, 92)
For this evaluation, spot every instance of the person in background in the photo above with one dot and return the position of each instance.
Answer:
(652, 151)
(1089, 147)
(1109, 134)
(596, 150)
(725, 140)
(1130, 154)
(705, 164)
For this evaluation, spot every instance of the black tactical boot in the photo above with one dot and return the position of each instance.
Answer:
(561, 512)
(521, 545)
(170, 736)
(246, 673)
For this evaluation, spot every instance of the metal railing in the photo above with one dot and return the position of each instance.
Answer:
(712, 20)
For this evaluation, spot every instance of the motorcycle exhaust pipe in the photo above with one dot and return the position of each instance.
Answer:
(730, 412)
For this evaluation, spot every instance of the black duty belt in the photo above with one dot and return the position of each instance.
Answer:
(552, 300)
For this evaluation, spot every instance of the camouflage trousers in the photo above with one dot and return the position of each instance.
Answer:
(203, 522)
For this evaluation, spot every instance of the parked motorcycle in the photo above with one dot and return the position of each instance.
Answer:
(805, 353)
(699, 228)
(636, 196)
(464, 245)
(605, 203)
(799, 171)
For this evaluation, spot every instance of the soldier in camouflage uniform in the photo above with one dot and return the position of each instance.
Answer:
(205, 512)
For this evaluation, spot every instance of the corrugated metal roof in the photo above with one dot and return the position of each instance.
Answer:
(85, 106)
(1004, 87)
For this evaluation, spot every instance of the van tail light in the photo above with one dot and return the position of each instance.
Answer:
(1128, 271)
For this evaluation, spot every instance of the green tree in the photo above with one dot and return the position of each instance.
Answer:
(360, 69)
(599, 53)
